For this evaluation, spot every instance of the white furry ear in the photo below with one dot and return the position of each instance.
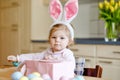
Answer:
(70, 10)
(56, 10)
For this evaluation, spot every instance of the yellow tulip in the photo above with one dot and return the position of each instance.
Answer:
(112, 2)
(107, 6)
(119, 3)
(106, 2)
(101, 5)
(112, 9)
(116, 6)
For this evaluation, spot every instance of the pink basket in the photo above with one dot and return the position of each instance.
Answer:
(55, 69)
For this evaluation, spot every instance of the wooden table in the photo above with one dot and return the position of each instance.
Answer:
(5, 74)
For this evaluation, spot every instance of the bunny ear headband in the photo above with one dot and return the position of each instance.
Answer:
(64, 15)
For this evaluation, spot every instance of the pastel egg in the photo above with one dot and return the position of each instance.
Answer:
(16, 75)
(24, 78)
(36, 73)
(37, 78)
(30, 76)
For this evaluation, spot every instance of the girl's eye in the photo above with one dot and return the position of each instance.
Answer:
(53, 37)
(62, 38)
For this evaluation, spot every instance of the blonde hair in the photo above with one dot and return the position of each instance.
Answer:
(57, 27)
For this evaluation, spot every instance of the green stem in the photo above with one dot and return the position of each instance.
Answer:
(111, 30)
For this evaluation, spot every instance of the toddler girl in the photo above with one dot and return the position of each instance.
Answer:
(61, 35)
(59, 39)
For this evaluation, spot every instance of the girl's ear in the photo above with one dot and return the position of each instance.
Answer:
(71, 41)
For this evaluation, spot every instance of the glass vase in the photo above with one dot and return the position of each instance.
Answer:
(111, 32)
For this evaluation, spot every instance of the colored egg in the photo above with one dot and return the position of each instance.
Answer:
(37, 78)
(30, 76)
(24, 78)
(16, 75)
(36, 73)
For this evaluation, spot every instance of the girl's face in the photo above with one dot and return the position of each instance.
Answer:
(59, 40)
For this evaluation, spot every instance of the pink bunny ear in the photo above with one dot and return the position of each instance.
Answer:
(55, 8)
(71, 10)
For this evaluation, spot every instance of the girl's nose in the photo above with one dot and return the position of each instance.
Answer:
(57, 39)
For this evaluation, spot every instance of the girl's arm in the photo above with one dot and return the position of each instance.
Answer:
(32, 56)
(23, 57)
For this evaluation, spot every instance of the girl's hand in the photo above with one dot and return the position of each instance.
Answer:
(12, 58)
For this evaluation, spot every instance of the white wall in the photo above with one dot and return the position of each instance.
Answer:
(87, 23)
(40, 20)
(81, 22)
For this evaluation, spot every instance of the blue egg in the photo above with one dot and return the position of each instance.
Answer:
(16, 75)
(30, 76)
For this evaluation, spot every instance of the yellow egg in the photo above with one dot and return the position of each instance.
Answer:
(36, 73)
(24, 78)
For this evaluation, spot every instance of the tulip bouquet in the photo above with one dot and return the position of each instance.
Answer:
(109, 11)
